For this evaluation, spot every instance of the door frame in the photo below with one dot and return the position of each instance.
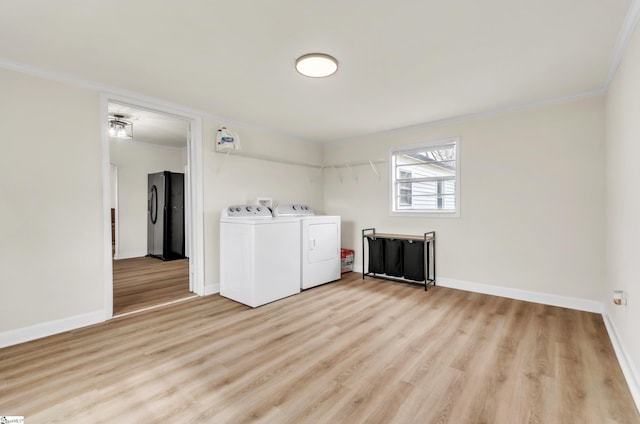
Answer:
(194, 188)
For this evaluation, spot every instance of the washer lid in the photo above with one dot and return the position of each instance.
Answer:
(293, 210)
(247, 211)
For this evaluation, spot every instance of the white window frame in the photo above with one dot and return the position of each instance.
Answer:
(399, 150)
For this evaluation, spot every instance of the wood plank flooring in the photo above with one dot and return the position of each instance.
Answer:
(353, 351)
(139, 283)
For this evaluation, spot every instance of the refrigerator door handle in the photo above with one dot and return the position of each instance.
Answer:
(153, 212)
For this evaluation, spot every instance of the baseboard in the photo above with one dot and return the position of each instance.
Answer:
(25, 334)
(511, 293)
(129, 255)
(628, 369)
(529, 296)
(211, 289)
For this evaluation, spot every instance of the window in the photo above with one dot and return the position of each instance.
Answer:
(424, 179)
(405, 189)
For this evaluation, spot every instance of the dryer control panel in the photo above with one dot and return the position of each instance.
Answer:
(247, 211)
(293, 210)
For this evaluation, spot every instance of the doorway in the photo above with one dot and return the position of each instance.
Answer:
(162, 139)
(144, 283)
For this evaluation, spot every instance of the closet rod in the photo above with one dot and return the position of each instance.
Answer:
(359, 163)
(299, 163)
(271, 159)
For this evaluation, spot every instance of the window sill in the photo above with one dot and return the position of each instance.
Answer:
(426, 214)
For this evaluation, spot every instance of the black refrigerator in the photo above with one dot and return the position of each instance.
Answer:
(165, 215)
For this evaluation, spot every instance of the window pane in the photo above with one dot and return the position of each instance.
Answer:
(425, 178)
(404, 189)
(424, 169)
(449, 187)
(445, 152)
(428, 202)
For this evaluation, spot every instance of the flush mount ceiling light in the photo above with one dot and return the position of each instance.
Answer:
(316, 65)
(119, 128)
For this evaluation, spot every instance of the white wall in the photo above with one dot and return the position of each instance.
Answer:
(532, 193)
(234, 179)
(135, 161)
(52, 216)
(623, 200)
(51, 219)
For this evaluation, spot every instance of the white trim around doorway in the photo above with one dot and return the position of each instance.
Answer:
(195, 191)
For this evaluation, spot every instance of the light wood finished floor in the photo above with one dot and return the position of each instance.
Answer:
(139, 283)
(347, 352)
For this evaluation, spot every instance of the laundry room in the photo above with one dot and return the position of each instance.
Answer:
(492, 145)
(267, 165)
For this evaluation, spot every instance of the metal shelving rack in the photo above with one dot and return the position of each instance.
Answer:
(429, 240)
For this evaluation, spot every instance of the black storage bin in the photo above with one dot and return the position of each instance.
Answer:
(376, 255)
(393, 257)
(413, 260)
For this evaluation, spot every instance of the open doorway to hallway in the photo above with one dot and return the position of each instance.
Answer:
(146, 282)
(152, 143)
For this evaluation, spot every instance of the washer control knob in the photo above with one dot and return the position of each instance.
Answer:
(248, 208)
(237, 209)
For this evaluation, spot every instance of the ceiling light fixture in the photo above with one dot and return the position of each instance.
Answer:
(119, 128)
(316, 65)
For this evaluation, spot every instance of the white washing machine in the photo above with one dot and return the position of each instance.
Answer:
(259, 255)
(319, 244)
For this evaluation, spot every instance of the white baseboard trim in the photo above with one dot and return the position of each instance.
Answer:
(628, 369)
(518, 294)
(129, 255)
(211, 289)
(25, 334)
(526, 295)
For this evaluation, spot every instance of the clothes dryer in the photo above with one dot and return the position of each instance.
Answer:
(319, 244)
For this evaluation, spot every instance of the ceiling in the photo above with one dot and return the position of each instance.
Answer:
(402, 63)
(152, 127)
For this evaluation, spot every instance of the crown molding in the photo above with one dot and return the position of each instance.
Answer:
(477, 115)
(624, 36)
(108, 89)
